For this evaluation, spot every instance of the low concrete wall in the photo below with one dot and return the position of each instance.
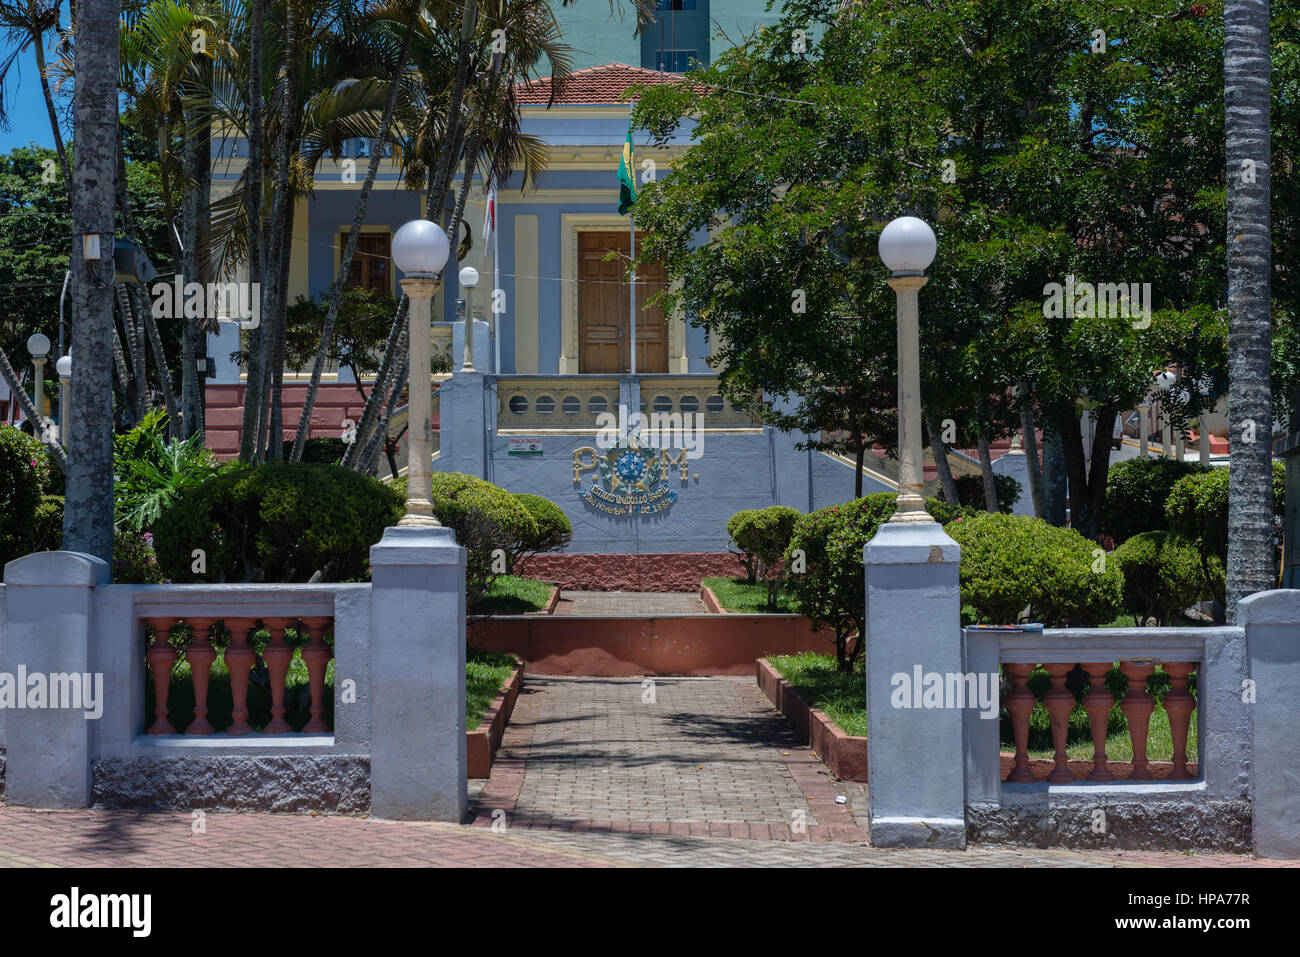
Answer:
(619, 647)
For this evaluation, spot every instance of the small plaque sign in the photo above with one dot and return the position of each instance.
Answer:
(524, 445)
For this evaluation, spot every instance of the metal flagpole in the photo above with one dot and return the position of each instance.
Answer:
(496, 284)
(632, 288)
(631, 225)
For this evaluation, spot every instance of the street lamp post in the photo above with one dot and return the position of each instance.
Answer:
(1144, 425)
(468, 280)
(1164, 382)
(420, 250)
(39, 347)
(64, 368)
(907, 247)
(912, 595)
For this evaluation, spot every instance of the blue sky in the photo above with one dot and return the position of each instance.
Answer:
(28, 120)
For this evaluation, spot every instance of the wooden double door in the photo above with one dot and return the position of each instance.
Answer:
(604, 308)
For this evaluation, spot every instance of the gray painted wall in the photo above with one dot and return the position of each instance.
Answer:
(736, 470)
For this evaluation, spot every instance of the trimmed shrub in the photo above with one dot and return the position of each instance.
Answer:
(1011, 564)
(824, 565)
(762, 535)
(1197, 508)
(324, 450)
(280, 522)
(485, 518)
(25, 478)
(970, 491)
(748, 562)
(1136, 490)
(1163, 574)
(554, 530)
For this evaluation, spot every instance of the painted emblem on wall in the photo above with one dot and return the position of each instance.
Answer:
(629, 478)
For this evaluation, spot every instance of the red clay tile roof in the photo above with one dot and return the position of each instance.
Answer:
(600, 84)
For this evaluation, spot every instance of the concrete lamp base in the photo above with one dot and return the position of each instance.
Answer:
(916, 787)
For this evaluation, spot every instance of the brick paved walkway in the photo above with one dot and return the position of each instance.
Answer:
(636, 603)
(683, 756)
(589, 775)
(124, 839)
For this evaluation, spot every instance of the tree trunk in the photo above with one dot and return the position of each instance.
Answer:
(38, 51)
(353, 457)
(349, 249)
(940, 452)
(1030, 442)
(278, 248)
(194, 334)
(164, 375)
(1055, 486)
(986, 472)
(859, 459)
(275, 444)
(248, 444)
(138, 380)
(381, 429)
(88, 503)
(1250, 415)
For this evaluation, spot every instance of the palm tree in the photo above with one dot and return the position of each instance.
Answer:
(88, 505)
(1250, 413)
(25, 24)
(409, 17)
(467, 116)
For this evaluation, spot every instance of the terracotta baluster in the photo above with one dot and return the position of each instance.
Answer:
(1059, 702)
(316, 655)
(239, 662)
(1179, 704)
(277, 654)
(1097, 702)
(200, 654)
(1137, 707)
(162, 658)
(1020, 702)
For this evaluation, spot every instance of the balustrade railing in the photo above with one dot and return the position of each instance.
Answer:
(239, 653)
(1137, 705)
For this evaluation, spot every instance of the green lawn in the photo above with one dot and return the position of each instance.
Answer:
(512, 595)
(735, 595)
(485, 673)
(843, 698)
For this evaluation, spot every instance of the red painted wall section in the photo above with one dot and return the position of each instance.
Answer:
(625, 572)
(335, 401)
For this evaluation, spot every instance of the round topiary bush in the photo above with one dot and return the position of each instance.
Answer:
(554, 529)
(280, 522)
(489, 523)
(824, 564)
(1163, 574)
(761, 535)
(1013, 564)
(1136, 490)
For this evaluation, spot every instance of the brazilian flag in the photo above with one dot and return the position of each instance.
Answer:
(626, 177)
